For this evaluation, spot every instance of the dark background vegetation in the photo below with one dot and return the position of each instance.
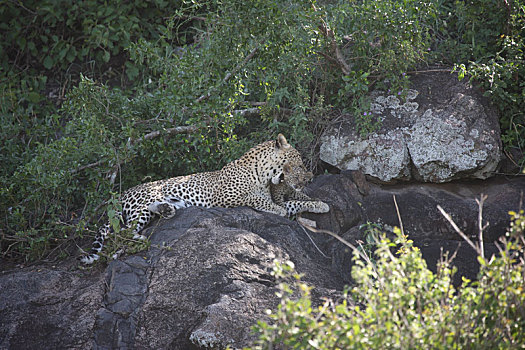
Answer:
(98, 96)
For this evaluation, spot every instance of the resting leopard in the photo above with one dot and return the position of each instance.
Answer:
(246, 181)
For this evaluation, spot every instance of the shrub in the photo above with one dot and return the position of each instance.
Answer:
(46, 44)
(398, 303)
(485, 41)
(55, 35)
(212, 79)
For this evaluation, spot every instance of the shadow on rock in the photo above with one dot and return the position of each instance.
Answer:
(207, 276)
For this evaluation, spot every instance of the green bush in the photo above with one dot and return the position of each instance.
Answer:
(96, 97)
(398, 303)
(45, 46)
(485, 41)
(213, 79)
(54, 34)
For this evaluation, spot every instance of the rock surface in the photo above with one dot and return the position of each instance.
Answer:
(207, 277)
(420, 217)
(439, 130)
(48, 308)
(205, 281)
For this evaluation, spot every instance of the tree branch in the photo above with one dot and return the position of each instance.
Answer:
(481, 227)
(178, 129)
(339, 58)
(458, 230)
(84, 167)
(235, 70)
(255, 111)
(152, 135)
(197, 18)
(171, 131)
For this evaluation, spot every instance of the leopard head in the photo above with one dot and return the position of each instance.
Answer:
(293, 171)
(296, 176)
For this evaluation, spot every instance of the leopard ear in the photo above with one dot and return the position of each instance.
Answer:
(287, 168)
(281, 142)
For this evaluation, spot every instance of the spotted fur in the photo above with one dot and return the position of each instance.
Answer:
(288, 192)
(243, 182)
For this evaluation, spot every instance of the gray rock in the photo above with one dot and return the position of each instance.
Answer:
(422, 221)
(207, 277)
(384, 156)
(439, 131)
(456, 142)
(48, 308)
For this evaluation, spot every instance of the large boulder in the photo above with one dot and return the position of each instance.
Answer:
(206, 278)
(437, 131)
(210, 277)
(48, 307)
(205, 281)
(420, 218)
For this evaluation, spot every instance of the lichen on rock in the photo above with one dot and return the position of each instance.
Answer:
(442, 130)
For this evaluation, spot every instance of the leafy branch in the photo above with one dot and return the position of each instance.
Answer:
(185, 129)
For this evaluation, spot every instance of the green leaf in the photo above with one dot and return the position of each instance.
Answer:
(22, 43)
(482, 261)
(31, 47)
(71, 54)
(131, 71)
(62, 53)
(48, 62)
(34, 97)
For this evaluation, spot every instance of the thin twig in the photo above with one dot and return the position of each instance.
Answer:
(315, 245)
(234, 70)
(481, 228)
(399, 217)
(19, 3)
(340, 239)
(457, 229)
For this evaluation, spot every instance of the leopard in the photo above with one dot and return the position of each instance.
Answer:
(246, 181)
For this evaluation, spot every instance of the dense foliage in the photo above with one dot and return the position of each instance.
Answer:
(98, 96)
(485, 40)
(398, 303)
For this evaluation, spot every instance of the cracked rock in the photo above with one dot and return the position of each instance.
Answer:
(437, 131)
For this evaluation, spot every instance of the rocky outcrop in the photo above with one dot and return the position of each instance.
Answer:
(422, 222)
(47, 307)
(214, 280)
(437, 131)
(207, 278)
(205, 281)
